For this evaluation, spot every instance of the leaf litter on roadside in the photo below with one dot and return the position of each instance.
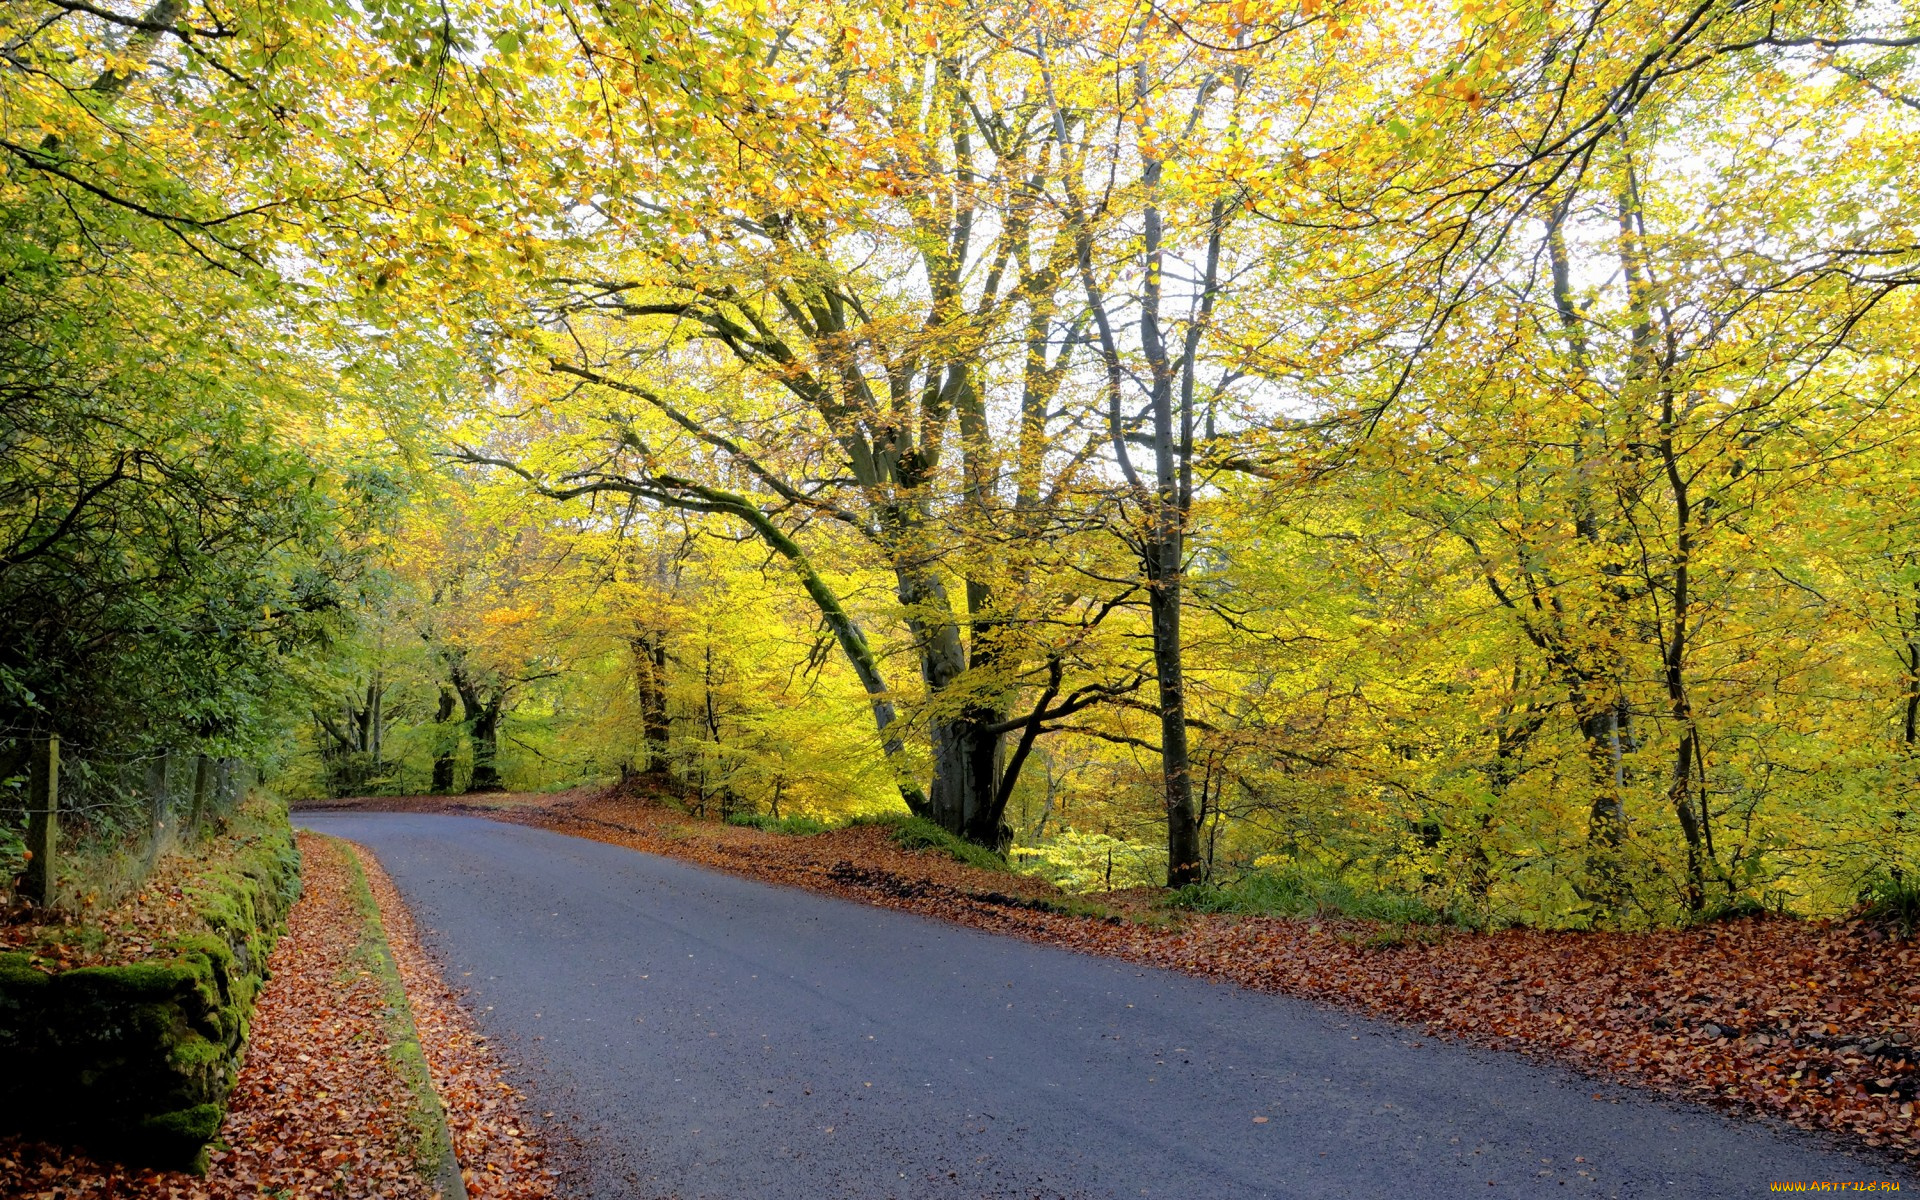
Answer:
(501, 1158)
(1815, 1022)
(319, 1111)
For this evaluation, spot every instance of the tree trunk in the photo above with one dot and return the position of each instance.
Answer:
(1681, 790)
(967, 751)
(650, 677)
(1910, 727)
(202, 793)
(376, 724)
(968, 758)
(43, 822)
(1607, 812)
(443, 743)
(482, 715)
(483, 732)
(1603, 719)
(1183, 830)
(1166, 498)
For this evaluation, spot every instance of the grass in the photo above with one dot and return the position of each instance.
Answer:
(918, 833)
(432, 1148)
(1079, 906)
(1891, 900)
(1294, 892)
(787, 826)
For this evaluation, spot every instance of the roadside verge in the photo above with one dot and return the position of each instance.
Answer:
(1813, 1022)
(340, 1092)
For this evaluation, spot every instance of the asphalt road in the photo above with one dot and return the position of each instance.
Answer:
(699, 1035)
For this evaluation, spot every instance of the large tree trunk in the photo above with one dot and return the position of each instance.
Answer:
(968, 758)
(483, 731)
(967, 749)
(482, 715)
(650, 676)
(443, 743)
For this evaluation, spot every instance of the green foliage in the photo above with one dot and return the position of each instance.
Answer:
(1892, 901)
(1303, 892)
(795, 826)
(13, 854)
(1084, 862)
(917, 833)
(1738, 908)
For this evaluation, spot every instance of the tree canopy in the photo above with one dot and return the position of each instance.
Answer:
(1461, 445)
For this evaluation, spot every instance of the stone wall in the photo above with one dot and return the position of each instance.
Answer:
(137, 1060)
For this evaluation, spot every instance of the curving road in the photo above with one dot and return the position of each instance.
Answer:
(700, 1035)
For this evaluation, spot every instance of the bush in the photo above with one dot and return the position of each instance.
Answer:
(1738, 908)
(1893, 901)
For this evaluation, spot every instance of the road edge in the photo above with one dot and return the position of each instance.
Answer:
(434, 1150)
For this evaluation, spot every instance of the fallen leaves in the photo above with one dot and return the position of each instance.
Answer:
(500, 1158)
(318, 1110)
(145, 925)
(1720, 1014)
(1816, 1022)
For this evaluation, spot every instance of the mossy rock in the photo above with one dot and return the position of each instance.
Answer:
(137, 1060)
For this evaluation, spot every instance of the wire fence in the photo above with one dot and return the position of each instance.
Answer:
(82, 829)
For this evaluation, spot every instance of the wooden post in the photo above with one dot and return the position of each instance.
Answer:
(43, 820)
(202, 786)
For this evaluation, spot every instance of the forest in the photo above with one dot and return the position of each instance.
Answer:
(1459, 450)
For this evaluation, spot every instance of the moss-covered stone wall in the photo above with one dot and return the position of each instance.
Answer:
(137, 1060)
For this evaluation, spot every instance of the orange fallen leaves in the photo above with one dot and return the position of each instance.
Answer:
(318, 1110)
(1816, 1022)
(500, 1158)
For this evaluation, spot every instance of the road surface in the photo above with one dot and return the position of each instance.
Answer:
(698, 1035)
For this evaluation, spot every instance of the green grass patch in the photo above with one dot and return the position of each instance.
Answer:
(1079, 906)
(431, 1145)
(1293, 892)
(787, 826)
(918, 833)
(1893, 902)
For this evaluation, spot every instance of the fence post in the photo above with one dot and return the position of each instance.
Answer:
(43, 820)
(202, 784)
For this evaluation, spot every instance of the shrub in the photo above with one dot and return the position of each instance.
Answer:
(1891, 900)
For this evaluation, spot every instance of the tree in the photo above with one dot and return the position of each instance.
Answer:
(857, 388)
